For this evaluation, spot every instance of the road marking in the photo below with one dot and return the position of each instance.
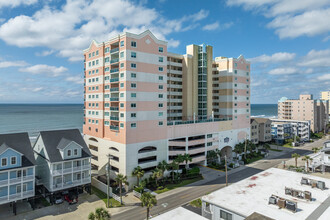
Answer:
(182, 197)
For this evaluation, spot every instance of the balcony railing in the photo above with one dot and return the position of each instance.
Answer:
(114, 99)
(56, 172)
(113, 127)
(114, 108)
(3, 182)
(114, 60)
(114, 80)
(67, 170)
(113, 118)
(114, 70)
(114, 50)
(27, 178)
(15, 180)
(70, 169)
(70, 183)
(114, 89)
(197, 121)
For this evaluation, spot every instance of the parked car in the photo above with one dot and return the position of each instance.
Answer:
(71, 198)
(58, 199)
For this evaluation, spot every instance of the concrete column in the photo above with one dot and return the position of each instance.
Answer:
(14, 208)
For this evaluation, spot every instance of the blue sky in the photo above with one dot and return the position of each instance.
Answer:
(41, 41)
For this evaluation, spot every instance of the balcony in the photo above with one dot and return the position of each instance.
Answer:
(114, 108)
(114, 60)
(28, 178)
(177, 143)
(3, 182)
(114, 80)
(116, 70)
(113, 118)
(15, 180)
(176, 152)
(114, 128)
(114, 50)
(115, 99)
(70, 183)
(116, 89)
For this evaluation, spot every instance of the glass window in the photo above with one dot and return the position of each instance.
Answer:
(121, 95)
(160, 69)
(133, 105)
(107, 60)
(133, 85)
(13, 160)
(89, 55)
(160, 96)
(160, 123)
(121, 115)
(160, 105)
(121, 105)
(160, 49)
(122, 65)
(133, 125)
(133, 95)
(133, 75)
(69, 153)
(121, 125)
(93, 54)
(121, 85)
(160, 114)
(97, 52)
(75, 151)
(133, 65)
(107, 49)
(133, 115)
(133, 54)
(121, 54)
(160, 86)
(160, 59)
(133, 43)
(121, 75)
(121, 43)
(235, 64)
(160, 77)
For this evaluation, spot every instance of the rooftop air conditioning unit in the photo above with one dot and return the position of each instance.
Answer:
(314, 184)
(288, 191)
(291, 206)
(272, 200)
(281, 203)
(321, 185)
(304, 181)
(308, 195)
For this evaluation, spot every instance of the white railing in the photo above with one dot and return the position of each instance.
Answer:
(86, 180)
(72, 183)
(137, 194)
(15, 196)
(77, 168)
(57, 172)
(67, 170)
(86, 167)
(28, 193)
(29, 177)
(15, 180)
(116, 197)
(4, 198)
(3, 182)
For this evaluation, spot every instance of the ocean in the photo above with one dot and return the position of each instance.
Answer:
(33, 118)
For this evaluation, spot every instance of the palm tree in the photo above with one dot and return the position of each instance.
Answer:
(266, 147)
(174, 166)
(211, 155)
(218, 153)
(315, 149)
(163, 166)
(139, 173)
(187, 158)
(120, 180)
(307, 159)
(295, 156)
(157, 173)
(148, 201)
(179, 158)
(100, 214)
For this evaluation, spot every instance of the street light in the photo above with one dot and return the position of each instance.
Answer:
(108, 169)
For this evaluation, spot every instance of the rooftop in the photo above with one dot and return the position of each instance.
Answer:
(179, 213)
(252, 194)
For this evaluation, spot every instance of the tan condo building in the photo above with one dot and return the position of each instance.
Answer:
(144, 104)
(261, 130)
(326, 97)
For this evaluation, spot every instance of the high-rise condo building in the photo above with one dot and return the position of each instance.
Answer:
(326, 97)
(144, 104)
(305, 109)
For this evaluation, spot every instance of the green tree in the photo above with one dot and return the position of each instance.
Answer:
(315, 149)
(148, 200)
(139, 173)
(266, 146)
(211, 156)
(100, 214)
(179, 158)
(295, 156)
(173, 166)
(120, 180)
(307, 159)
(157, 174)
(218, 153)
(163, 166)
(187, 158)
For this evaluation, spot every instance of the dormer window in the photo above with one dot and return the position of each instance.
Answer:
(75, 152)
(69, 153)
(4, 162)
(13, 161)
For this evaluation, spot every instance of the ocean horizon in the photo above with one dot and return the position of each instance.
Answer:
(33, 118)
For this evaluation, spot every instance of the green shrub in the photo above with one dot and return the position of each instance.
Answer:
(138, 189)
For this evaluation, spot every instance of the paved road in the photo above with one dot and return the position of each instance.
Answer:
(183, 197)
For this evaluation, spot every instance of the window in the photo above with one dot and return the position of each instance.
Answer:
(107, 60)
(209, 136)
(93, 54)
(107, 49)
(121, 54)
(133, 105)
(69, 153)
(160, 86)
(122, 65)
(247, 73)
(160, 123)
(97, 71)
(133, 125)
(209, 144)
(97, 53)
(133, 95)
(122, 105)
(160, 49)
(89, 55)
(133, 43)
(133, 85)
(13, 161)
(121, 95)
(75, 152)
(133, 54)
(106, 113)
(225, 215)
(4, 162)
(89, 64)
(235, 85)
(235, 71)
(160, 77)
(121, 115)
(160, 96)
(160, 69)
(160, 59)
(121, 125)
(93, 63)
(121, 85)
(133, 115)
(133, 65)
(121, 43)
(133, 75)
(160, 114)
(107, 69)
(122, 75)
(235, 64)
(160, 105)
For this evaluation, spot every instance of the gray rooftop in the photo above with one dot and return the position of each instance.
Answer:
(20, 142)
(59, 139)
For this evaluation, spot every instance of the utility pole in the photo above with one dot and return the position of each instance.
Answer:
(108, 168)
(245, 147)
(226, 170)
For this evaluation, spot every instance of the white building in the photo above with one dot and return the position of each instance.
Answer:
(322, 158)
(241, 199)
(300, 128)
(179, 213)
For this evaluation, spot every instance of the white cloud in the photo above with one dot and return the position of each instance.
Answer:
(291, 18)
(45, 53)
(324, 77)
(210, 27)
(282, 71)
(274, 58)
(75, 79)
(16, 3)
(7, 64)
(52, 71)
(173, 43)
(314, 58)
(70, 29)
(37, 89)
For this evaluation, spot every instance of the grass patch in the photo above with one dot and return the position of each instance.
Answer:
(44, 202)
(103, 197)
(176, 185)
(289, 145)
(276, 150)
(196, 203)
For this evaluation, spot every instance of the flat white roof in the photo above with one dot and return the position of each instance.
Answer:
(252, 194)
(179, 213)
